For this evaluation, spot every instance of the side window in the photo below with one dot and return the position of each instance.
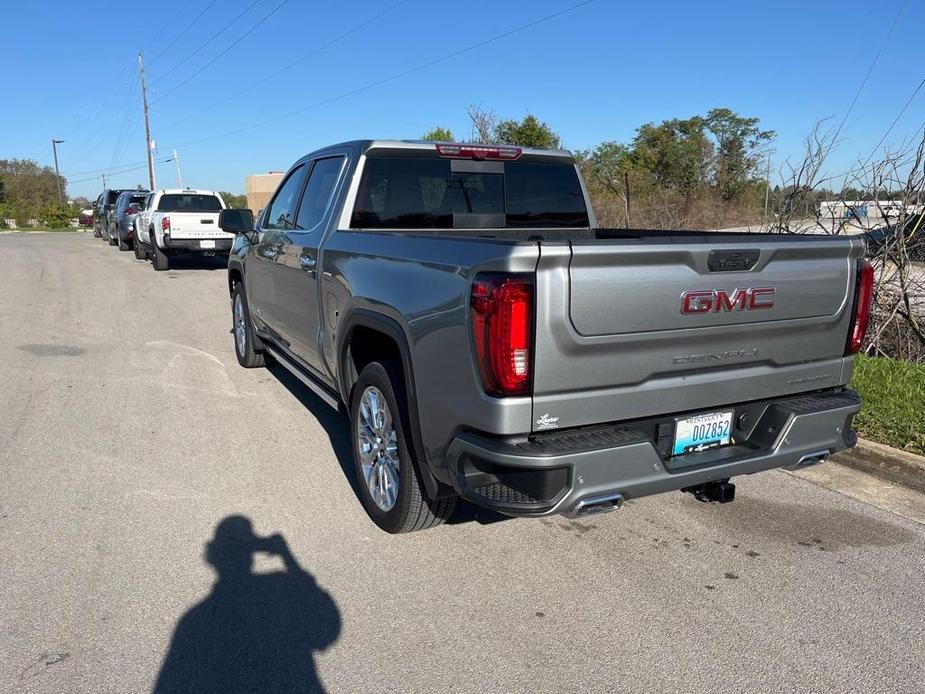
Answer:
(282, 209)
(318, 192)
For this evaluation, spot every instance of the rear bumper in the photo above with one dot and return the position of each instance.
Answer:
(195, 245)
(556, 473)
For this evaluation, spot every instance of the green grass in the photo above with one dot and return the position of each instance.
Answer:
(894, 402)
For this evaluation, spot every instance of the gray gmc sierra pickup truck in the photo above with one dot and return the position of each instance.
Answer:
(490, 342)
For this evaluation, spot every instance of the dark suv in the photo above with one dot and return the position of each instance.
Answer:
(102, 210)
(122, 218)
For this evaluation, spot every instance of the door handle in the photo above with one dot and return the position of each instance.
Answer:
(307, 263)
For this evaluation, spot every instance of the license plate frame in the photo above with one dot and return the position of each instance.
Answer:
(207, 244)
(689, 437)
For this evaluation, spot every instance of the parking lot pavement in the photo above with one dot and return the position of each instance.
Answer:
(139, 462)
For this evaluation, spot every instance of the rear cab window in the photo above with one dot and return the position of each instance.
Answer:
(398, 192)
(189, 202)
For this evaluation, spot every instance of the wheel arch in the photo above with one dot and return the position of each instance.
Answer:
(383, 336)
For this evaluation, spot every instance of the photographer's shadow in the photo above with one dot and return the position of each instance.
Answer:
(255, 632)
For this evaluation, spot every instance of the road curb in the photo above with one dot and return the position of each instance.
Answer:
(886, 462)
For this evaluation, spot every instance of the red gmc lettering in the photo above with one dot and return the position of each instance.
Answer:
(715, 301)
(696, 302)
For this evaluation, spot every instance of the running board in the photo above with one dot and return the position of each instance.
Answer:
(316, 387)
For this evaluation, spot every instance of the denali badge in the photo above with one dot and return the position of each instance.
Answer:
(716, 300)
(547, 422)
(716, 356)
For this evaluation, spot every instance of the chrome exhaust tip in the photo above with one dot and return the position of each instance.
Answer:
(597, 504)
(811, 459)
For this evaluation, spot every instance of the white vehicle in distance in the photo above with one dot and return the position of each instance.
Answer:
(177, 221)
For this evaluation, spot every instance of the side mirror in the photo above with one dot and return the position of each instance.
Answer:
(236, 221)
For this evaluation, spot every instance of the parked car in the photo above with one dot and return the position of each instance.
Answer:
(122, 226)
(102, 211)
(913, 229)
(181, 221)
(85, 218)
(490, 342)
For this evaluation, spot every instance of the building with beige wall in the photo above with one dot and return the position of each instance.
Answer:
(259, 188)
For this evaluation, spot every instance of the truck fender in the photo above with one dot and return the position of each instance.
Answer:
(346, 378)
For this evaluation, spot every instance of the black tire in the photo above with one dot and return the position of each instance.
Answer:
(112, 238)
(96, 231)
(159, 259)
(140, 252)
(104, 232)
(123, 244)
(248, 357)
(413, 510)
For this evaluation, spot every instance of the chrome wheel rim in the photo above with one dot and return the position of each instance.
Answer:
(239, 325)
(377, 443)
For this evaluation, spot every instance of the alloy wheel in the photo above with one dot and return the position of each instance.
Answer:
(378, 448)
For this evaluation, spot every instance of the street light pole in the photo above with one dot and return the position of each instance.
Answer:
(54, 148)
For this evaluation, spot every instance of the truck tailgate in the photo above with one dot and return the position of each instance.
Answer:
(637, 327)
(196, 225)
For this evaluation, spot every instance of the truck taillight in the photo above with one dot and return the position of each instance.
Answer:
(863, 297)
(502, 332)
(165, 223)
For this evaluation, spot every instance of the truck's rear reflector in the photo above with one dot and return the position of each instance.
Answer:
(468, 151)
(862, 302)
(502, 332)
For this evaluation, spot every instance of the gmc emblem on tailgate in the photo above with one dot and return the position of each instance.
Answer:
(716, 300)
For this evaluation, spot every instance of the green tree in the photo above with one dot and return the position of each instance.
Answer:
(529, 132)
(56, 216)
(608, 167)
(676, 153)
(28, 188)
(233, 201)
(439, 134)
(737, 141)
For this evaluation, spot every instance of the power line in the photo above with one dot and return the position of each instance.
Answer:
(157, 34)
(228, 48)
(397, 75)
(895, 121)
(870, 69)
(111, 174)
(287, 67)
(182, 33)
(106, 170)
(203, 45)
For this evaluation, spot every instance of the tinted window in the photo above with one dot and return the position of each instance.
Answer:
(111, 196)
(126, 200)
(400, 193)
(543, 195)
(417, 193)
(188, 202)
(282, 209)
(318, 192)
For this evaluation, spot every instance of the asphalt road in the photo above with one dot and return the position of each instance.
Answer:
(134, 448)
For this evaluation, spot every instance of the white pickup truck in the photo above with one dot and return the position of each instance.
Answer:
(178, 221)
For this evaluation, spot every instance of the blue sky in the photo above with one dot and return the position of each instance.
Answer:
(595, 74)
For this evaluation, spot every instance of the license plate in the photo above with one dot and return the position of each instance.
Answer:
(207, 244)
(701, 432)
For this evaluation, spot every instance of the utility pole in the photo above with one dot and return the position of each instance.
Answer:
(54, 148)
(144, 101)
(176, 160)
(767, 189)
(103, 178)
